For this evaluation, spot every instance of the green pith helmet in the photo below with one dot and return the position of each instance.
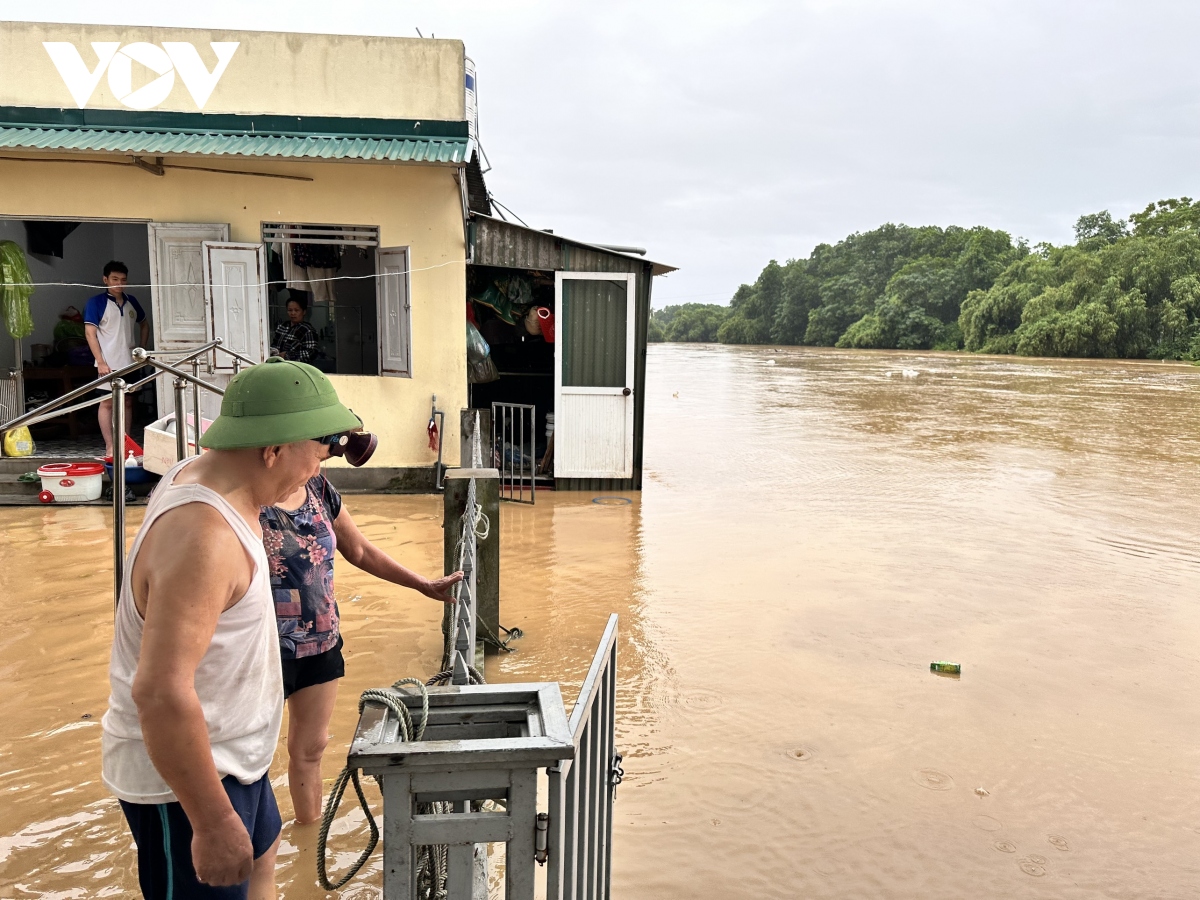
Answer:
(277, 402)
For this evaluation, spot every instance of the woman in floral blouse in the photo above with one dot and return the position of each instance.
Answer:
(300, 536)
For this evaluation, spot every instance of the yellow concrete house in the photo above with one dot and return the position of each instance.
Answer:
(232, 170)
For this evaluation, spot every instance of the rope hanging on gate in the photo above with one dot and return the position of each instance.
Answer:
(391, 699)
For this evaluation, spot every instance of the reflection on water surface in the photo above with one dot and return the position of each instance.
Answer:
(816, 527)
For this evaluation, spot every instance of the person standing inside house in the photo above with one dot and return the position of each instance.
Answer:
(300, 534)
(197, 697)
(111, 320)
(295, 339)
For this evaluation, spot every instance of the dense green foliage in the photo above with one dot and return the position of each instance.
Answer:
(691, 322)
(1121, 290)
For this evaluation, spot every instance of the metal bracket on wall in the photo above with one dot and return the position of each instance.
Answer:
(154, 168)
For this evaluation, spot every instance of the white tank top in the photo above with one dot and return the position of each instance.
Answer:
(238, 681)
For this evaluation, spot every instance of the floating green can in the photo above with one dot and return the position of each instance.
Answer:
(946, 668)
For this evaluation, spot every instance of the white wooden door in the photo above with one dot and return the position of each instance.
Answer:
(235, 300)
(395, 314)
(235, 310)
(595, 315)
(177, 289)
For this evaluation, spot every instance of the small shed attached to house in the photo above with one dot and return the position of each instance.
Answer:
(586, 370)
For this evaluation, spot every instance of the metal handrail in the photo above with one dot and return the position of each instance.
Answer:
(142, 358)
(52, 407)
(581, 712)
(118, 470)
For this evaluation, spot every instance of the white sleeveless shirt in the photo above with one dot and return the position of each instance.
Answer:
(238, 681)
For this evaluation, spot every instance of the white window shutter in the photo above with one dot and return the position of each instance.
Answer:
(395, 320)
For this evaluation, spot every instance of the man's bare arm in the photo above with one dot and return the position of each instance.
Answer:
(191, 567)
(93, 342)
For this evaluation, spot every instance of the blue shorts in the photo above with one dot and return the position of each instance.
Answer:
(163, 836)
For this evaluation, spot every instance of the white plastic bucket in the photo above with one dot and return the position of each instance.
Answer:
(71, 482)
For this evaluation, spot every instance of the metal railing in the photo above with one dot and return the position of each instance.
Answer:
(119, 388)
(581, 790)
(514, 430)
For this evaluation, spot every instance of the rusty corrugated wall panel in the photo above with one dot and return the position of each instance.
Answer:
(585, 259)
(496, 244)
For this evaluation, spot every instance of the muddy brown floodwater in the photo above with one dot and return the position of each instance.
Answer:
(816, 528)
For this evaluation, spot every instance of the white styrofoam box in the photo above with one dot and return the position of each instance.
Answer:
(159, 445)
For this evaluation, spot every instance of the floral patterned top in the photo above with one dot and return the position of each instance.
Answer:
(300, 545)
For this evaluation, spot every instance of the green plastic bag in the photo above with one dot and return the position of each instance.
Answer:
(15, 290)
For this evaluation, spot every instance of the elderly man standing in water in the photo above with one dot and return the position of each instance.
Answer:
(197, 696)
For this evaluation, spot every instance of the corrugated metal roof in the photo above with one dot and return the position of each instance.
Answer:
(500, 243)
(444, 150)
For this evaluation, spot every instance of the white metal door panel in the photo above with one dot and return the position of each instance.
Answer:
(177, 289)
(593, 424)
(589, 435)
(395, 313)
(235, 299)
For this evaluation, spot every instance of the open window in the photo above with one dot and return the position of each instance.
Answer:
(351, 295)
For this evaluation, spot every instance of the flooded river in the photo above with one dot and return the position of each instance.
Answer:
(816, 528)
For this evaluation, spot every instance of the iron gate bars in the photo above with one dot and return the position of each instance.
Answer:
(514, 429)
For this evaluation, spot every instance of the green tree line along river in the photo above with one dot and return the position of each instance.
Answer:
(1125, 288)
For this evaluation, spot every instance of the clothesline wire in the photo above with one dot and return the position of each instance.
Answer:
(79, 284)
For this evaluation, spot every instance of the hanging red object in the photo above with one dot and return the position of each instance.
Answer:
(546, 320)
(434, 438)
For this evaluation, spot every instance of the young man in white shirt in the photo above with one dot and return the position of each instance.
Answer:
(109, 321)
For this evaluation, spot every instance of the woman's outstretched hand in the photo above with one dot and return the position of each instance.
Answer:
(440, 589)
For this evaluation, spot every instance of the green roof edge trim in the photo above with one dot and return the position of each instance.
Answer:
(230, 123)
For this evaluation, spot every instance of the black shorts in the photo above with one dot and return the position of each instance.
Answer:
(163, 836)
(309, 670)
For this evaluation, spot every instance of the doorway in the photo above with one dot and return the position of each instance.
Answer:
(67, 258)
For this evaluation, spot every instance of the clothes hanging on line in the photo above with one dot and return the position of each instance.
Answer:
(312, 280)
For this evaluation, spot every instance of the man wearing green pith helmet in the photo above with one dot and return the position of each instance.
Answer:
(197, 696)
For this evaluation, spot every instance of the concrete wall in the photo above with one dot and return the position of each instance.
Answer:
(85, 251)
(268, 73)
(414, 206)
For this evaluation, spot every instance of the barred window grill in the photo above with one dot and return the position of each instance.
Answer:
(347, 235)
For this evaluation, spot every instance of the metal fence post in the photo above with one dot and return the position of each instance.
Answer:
(181, 441)
(196, 401)
(118, 486)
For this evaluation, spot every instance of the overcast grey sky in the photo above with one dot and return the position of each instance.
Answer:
(720, 135)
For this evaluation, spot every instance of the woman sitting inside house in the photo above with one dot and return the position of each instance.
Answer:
(295, 339)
